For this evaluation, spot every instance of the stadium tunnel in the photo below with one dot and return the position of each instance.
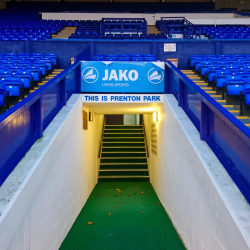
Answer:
(64, 196)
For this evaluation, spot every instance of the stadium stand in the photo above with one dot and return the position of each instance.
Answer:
(222, 77)
(125, 57)
(21, 74)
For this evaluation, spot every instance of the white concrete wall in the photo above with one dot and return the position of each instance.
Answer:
(196, 18)
(201, 199)
(129, 119)
(42, 197)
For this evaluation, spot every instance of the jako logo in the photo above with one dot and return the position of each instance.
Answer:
(90, 75)
(122, 75)
(155, 76)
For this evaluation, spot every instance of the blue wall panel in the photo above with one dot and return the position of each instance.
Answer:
(64, 49)
(234, 47)
(51, 104)
(12, 46)
(192, 106)
(123, 47)
(12, 136)
(184, 49)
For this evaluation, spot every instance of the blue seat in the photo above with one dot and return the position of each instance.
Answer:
(137, 58)
(126, 37)
(10, 54)
(149, 55)
(235, 86)
(205, 67)
(35, 71)
(136, 55)
(110, 59)
(3, 94)
(135, 36)
(98, 58)
(43, 67)
(13, 85)
(143, 37)
(222, 78)
(112, 55)
(246, 93)
(109, 36)
(150, 59)
(52, 56)
(124, 55)
(118, 37)
(26, 77)
(124, 59)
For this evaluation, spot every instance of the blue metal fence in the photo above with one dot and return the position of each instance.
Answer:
(228, 137)
(24, 123)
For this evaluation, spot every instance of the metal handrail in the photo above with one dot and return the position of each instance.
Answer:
(145, 136)
(103, 126)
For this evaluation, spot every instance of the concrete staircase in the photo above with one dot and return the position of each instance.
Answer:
(152, 29)
(123, 153)
(216, 94)
(65, 33)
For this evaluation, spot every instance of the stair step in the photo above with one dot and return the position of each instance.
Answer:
(123, 166)
(134, 176)
(122, 144)
(123, 127)
(207, 88)
(123, 172)
(122, 131)
(247, 124)
(123, 154)
(217, 97)
(124, 160)
(234, 112)
(135, 135)
(123, 139)
(228, 107)
(221, 101)
(123, 149)
(244, 119)
(211, 92)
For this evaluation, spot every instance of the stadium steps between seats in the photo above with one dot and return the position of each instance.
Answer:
(152, 29)
(123, 153)
(47, 78)
(209, 90)
(65, 33)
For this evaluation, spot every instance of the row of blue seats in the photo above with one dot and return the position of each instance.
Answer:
(18, 75)
(231, 73)
(119, 36)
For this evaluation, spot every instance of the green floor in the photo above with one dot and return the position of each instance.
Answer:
(136, 221)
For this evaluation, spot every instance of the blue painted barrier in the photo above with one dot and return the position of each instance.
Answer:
(228, 137)
(25, 122)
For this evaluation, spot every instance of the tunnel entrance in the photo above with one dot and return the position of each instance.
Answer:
(124, 149)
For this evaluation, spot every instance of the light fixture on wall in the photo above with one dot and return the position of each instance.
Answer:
(91, 116)
(155, 116)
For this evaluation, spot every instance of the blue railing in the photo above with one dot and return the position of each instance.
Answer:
(123, 25)
(179, 25)
(25, 122)
(228, 137)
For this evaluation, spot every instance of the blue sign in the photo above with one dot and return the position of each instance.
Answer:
(117, 77)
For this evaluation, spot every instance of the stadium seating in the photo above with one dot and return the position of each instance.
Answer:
(21, 74)
(225, 78)
(125, 57)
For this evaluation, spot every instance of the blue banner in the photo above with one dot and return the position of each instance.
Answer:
(127, 77)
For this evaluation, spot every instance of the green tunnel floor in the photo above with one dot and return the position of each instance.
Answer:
(126, 227)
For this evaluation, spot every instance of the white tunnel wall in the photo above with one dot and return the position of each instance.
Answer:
(51, 198)
(193, 186)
